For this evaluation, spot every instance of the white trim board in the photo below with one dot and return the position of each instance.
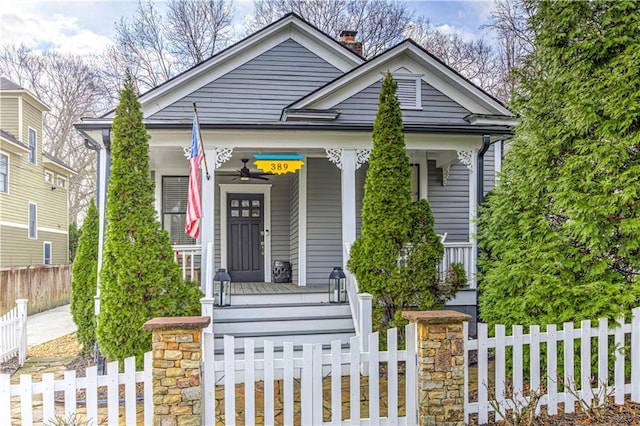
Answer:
(248, 188)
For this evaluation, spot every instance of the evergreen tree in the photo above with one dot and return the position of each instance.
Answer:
(85, 280)
(396, 258)
(560, 234)
(74, 239)
(139, 279)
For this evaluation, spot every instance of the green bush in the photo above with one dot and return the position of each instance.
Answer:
(84, 283)
(139, 279)
(397, 256)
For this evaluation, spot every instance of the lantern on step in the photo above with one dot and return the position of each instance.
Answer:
(337, 286)
(222, 283)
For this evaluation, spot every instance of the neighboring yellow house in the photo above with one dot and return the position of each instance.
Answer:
(34, 197)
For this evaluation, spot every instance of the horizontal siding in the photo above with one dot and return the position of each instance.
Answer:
(294, 227)
(436, 108)
(259, 89)
(9, 121)
(280, 217)
(450, 203)
(489, 169)
(17, 250)
(324, 220)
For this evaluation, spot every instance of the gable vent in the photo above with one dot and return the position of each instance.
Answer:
(408, 92)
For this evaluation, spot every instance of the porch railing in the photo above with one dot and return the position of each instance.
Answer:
(189, 257)
(461, 252)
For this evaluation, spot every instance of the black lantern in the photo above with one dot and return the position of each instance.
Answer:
(223, 281)
(337, 286)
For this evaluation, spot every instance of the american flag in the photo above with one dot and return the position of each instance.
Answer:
(194, 204)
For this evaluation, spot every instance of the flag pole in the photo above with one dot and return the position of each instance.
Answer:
(204, 155)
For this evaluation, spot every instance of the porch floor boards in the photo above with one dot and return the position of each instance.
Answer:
(269, 288)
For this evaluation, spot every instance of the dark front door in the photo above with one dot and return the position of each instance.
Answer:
(245, 213)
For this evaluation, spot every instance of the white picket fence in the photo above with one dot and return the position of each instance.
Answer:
(13, 333)
(302, 372)
(38, 404)
(585, 386)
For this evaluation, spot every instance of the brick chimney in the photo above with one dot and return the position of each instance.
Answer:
(348, 39)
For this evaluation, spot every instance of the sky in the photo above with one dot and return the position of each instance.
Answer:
(86, 27)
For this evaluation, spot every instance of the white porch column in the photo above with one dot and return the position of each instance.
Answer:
(215, 158)
(470, 159)
(101, 202)
(348, 161)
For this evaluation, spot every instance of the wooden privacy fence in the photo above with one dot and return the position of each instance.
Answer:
(13, 333)
(45, 286)
(560, 366)
(306, 386)
(112, 399)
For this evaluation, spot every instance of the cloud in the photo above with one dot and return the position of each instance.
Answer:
(37, 30)
(463, 33)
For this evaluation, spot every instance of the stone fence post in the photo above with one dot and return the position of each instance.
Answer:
(177, 389)
(440, 366)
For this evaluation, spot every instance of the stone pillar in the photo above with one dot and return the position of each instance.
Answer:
(440, 366)
(177, 392)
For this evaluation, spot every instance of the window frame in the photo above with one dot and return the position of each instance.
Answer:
(32, 148)
(62, 179)
(34, 235)
(6, 174)
(44, 253)
(173, 215)
(48, 177)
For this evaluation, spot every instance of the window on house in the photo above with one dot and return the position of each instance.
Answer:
(32, 145)
(174, 208)
(4, 173)
(46, 253)
(48, 177)
(408, 91)
(61, 182)
(33, 234)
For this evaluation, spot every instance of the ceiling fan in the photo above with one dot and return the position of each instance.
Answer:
(246, 174)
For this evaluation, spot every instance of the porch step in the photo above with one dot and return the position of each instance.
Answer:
(279, 311)
(319, 296)
(323, 337)
(273, 325)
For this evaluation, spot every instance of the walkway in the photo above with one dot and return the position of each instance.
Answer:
(49, 325)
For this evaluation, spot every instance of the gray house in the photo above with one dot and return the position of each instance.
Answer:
(290, 89)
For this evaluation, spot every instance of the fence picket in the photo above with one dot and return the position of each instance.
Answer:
(552, 369)
(306, 385)
(585, 361)
(208, 382)
(317, 384)
(568, 366)
(618, 341)
(483, 368)
(392, 376)
(354, 382)
(465, 339)
(112, 393)
(336, 383)
(411, 388)
(147, 377)
(635, 355)
(603, 352)
(5, 399)
(26, 400)
(229, 381)
(374, 379)
(534, 360)
(130, 390)
(500, 367)
(91, 394)
(249, 379)
(269, 405)
(287, 374)
(69, 393)
(518, 367)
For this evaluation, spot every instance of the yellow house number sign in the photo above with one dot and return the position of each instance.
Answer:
(278, 164)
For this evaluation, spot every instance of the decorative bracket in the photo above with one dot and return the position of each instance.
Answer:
(466, 158)
(335, 156)
(446, 170)
(362, 156)
(222, 156)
